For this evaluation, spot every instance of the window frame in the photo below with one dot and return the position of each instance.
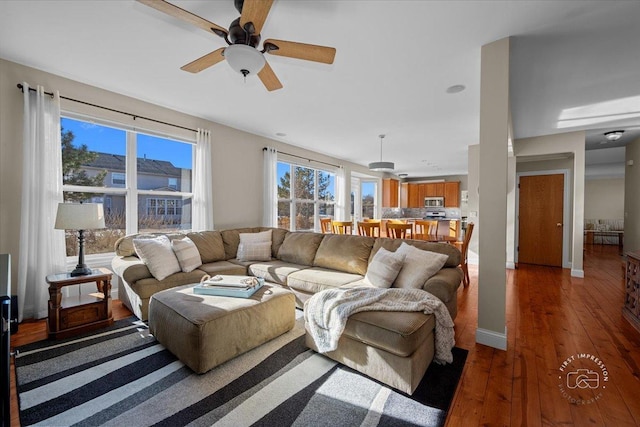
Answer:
(293, 200)
(130, 191)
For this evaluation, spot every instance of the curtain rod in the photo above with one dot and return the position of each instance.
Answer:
(305, 158)
(135, 116)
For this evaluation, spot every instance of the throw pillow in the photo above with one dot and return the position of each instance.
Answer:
(158, 256)
(418, 266)
(254, 246)
(384, 268)
(254, 251)
(187, 253)
(263, 236)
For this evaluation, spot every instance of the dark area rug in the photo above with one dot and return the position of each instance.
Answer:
(122, 376)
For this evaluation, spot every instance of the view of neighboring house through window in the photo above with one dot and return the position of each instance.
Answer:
(146, 194)
(311, 196)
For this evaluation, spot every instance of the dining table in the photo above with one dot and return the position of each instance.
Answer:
(435, 238)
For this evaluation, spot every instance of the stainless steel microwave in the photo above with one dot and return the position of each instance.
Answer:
(434, 202)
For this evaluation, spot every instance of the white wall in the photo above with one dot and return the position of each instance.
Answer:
(237, 156)
(631, 199)
(604, 198)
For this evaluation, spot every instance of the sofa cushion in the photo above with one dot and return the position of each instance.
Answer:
(418, 266)
(384, 268)
(223, 267)
(397, 332)
(316, 279)
(144, 288)
(231, 240)
(344, 253)
(209, 244)
(274, 271)
(158, 256)
(393, 244)
(300, 247)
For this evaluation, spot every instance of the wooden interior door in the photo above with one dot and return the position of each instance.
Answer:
(540, 229)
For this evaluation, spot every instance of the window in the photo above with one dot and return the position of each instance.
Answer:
(96, 169)
(311, 196)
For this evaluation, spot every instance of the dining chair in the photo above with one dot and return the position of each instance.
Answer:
(371, 229)
(398, 231)
(464, 249)
(325, 225)
(342, 227)
(424, 228)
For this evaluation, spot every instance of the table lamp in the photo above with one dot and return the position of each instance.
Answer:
(80, 216)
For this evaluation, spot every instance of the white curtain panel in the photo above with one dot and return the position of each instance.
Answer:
(270, 190)
(202, 215)
(42, 248)
(341, 207)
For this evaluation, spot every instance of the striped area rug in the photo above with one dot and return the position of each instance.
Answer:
(121, 376)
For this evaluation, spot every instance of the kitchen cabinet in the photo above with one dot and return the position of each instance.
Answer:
(390, 193)
(404, 195)
(414, 201)
(451, 193)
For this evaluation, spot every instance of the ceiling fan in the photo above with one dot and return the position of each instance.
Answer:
(243, 38)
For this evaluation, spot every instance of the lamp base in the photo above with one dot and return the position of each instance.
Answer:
(81, 270)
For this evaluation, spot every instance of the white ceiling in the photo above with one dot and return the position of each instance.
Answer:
(575, 65)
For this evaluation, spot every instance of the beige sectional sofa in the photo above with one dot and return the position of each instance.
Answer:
(393, 347)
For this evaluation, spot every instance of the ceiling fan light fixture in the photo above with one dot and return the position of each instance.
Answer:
(381, 166)
(614, 135)
(244, 59)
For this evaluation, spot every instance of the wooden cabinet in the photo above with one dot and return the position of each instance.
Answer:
(412, 195)
(404, 195)
(631, 310)
(451, 193)
(390, 193)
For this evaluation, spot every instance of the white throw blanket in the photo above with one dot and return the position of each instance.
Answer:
(326, 314)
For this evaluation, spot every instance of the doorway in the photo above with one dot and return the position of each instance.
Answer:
(542, 219)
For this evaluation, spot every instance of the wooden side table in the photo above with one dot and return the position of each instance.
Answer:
(74, 315)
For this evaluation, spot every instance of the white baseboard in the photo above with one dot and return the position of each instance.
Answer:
(492, 338)
(511, 265)
(577, 273)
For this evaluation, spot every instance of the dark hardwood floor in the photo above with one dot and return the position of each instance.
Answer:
(550, 316)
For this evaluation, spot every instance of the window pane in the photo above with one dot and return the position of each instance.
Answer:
(163, 213)
(164, 164)
(284, 180)
(325, 209)
(92, 155)
(326, 186)
(368, 199)
(304, 183)
(284, 215)
(305, 216)
(99, 241)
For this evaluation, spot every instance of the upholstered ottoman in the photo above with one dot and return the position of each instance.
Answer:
(395, 348)
(204, 331)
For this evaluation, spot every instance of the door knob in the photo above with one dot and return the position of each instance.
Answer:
(559, 224)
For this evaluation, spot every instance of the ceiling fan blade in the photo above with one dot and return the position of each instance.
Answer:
(255, 11)
(269, 79)
(309, 52)
(183, 15)
(209, 60)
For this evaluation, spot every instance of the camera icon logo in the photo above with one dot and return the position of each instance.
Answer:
(583, 378)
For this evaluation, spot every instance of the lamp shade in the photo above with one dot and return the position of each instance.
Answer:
(244, 59)
(381, 166)
(79, 216)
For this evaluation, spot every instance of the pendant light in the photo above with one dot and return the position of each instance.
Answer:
(381, 166)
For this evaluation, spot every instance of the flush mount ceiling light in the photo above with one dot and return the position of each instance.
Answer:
(381, 166)
(403, 175)
(455, 88)
(244, 59)
(614, 135)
